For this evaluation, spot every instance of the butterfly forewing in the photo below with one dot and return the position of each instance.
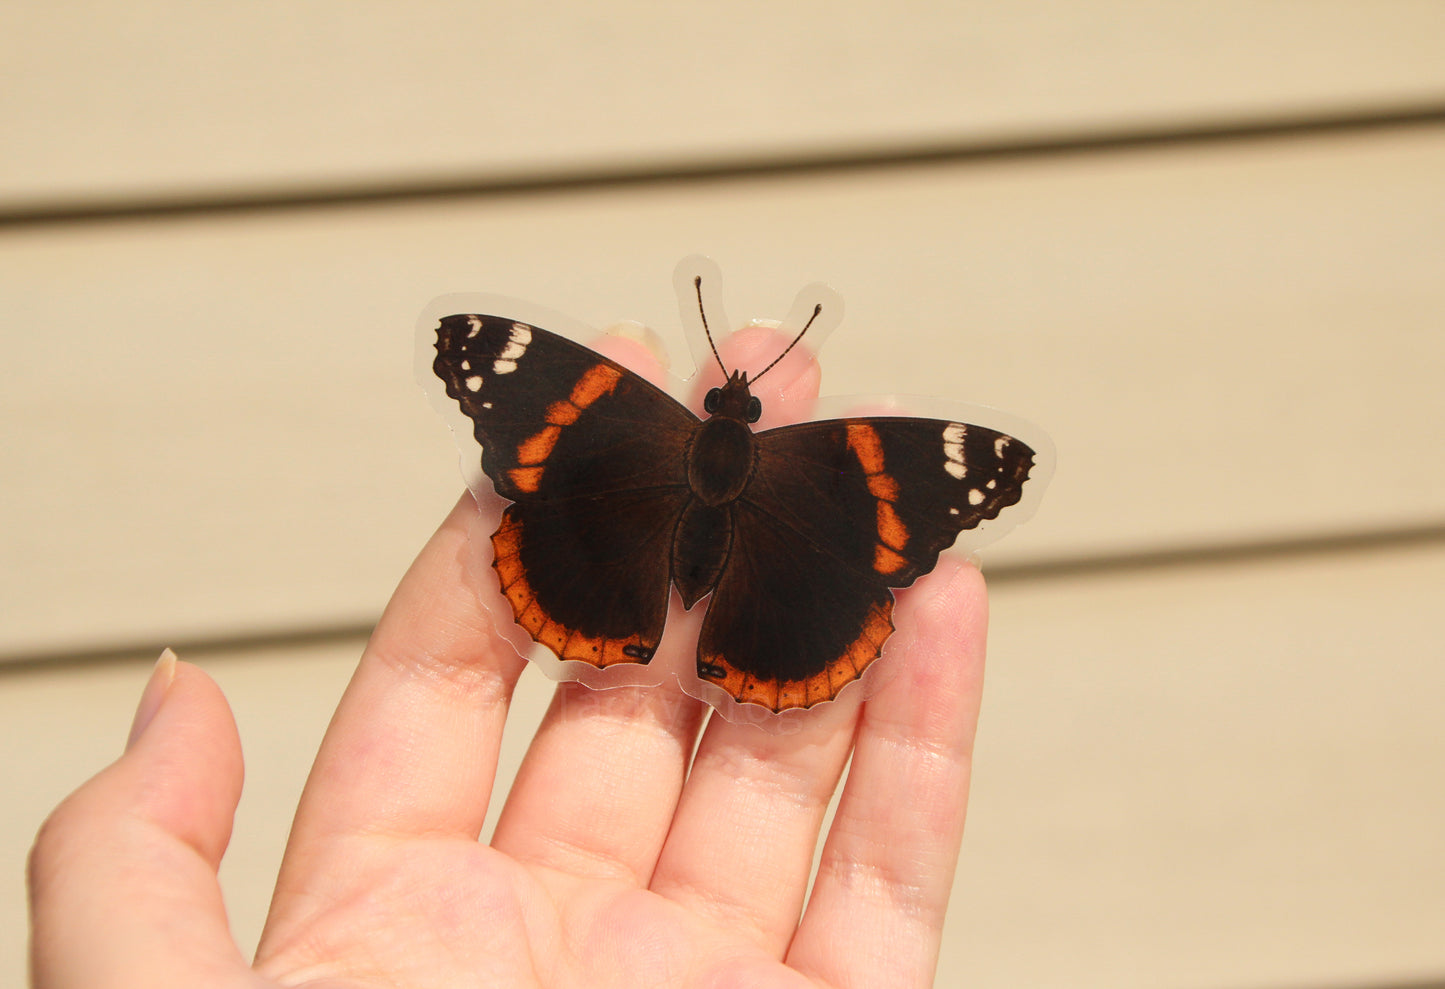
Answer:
(887, 495)
(555, 419)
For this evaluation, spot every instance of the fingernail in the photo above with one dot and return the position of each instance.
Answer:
(631, 329)
(791, 386)
(154, 693)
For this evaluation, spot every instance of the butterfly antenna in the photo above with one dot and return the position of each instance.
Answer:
(697, 286)
(816, 310)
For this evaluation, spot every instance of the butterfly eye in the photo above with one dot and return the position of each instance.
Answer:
(755, 409)
(710, 402)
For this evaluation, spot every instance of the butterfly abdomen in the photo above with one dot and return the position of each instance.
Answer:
(700, 547)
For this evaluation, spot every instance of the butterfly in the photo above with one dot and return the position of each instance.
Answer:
(619, 493)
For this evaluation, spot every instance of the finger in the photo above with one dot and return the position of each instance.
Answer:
(887, 866)
(413, 746)
(596, 793)
(122, 877)
(741, 845)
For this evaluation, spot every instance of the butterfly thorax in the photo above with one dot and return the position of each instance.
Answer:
(721, 455)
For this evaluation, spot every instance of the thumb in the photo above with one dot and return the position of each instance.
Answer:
(122, 876)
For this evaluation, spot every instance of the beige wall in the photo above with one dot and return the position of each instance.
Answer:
(1211, 752)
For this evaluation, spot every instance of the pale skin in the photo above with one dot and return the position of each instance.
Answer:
(620, 858)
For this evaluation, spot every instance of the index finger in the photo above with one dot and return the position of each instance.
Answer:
(413, 747)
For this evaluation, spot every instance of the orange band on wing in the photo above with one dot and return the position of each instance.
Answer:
(562, 413)
(526, 478)
(598, 381)
(537, 447)
(825, 685)
(891, 530)
(865, 443)
(883, 487)
(885, 561)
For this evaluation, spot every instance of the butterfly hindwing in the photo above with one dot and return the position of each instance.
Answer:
(588, 578)
(592, 456)
(787, 626)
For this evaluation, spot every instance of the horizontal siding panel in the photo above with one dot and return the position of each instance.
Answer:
(1196, 777)
(161, 99)
(1210, 777)
(211, 426)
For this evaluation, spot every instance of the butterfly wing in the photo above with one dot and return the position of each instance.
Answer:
(836, 513)
(592, 456)
(919, 482)
(787, 626)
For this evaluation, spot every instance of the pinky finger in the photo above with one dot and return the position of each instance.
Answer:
(876, 913)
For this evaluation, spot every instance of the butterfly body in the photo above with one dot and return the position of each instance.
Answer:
(620, 493)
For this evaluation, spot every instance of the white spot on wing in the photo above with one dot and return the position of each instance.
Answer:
(512, 351)
(521, 333)
(953, 435)
(503, 367)
(953, 511)
(486, 405)
(1001, 444)
(474, 383)
(475, 323)
(975, 496)
(466, 365)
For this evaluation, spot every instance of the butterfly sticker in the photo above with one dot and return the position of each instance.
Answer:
(796, 535)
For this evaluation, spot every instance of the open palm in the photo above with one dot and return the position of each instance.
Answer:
(641, 845)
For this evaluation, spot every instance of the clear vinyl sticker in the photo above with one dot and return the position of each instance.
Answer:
(724, 533)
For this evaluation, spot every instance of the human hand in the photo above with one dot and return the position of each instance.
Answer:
(620, 856)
